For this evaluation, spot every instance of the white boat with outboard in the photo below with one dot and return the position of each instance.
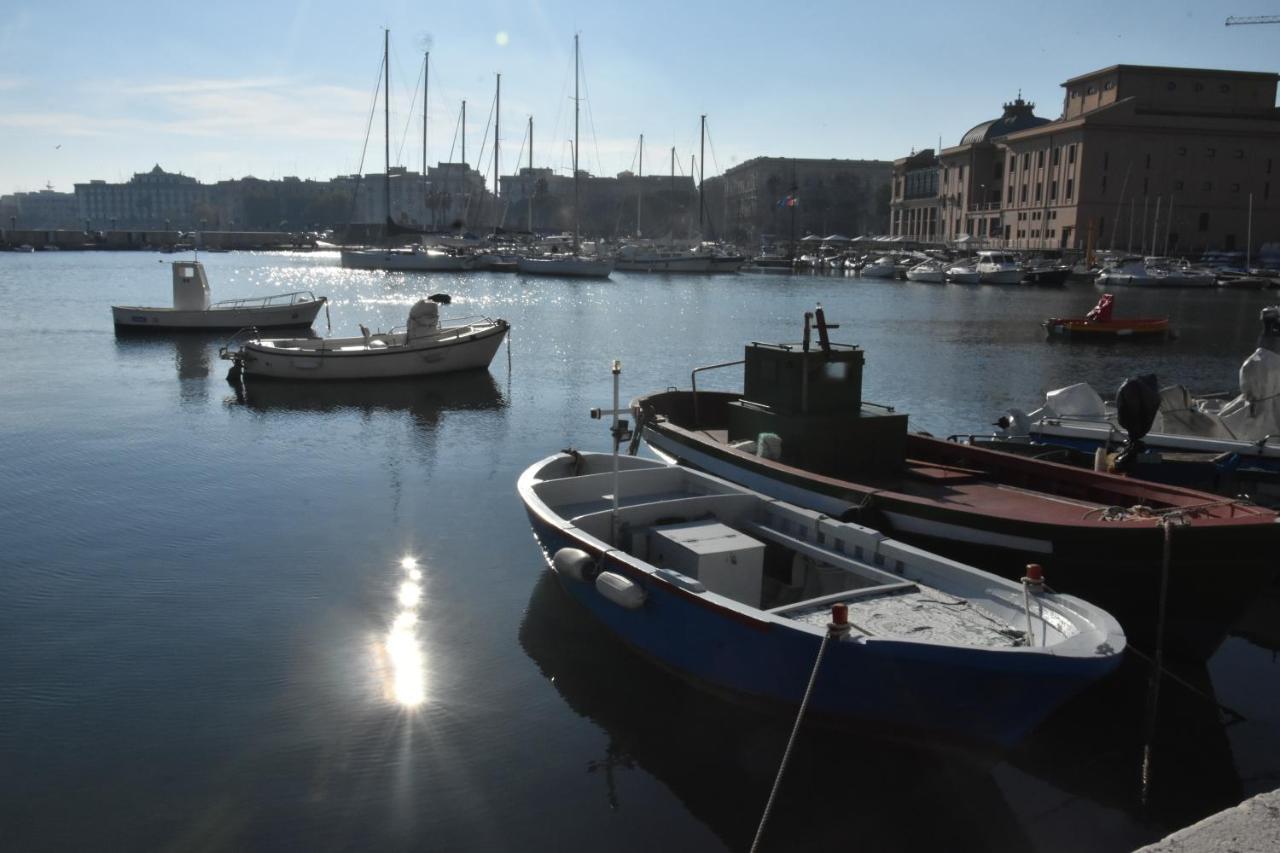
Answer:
(999, 268)
(424, 347)
(193, 310)
(743, 593)
(964, 272)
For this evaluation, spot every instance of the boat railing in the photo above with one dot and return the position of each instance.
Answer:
(693, 382)
(280, 299)
(236, 342)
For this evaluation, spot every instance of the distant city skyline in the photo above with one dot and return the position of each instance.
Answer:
(272, 90)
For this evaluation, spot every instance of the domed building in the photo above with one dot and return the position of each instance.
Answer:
(1018, 115)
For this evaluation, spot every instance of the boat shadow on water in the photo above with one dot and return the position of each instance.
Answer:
(719, 758)
(194, 351)
(1082, 768)
(426, 398)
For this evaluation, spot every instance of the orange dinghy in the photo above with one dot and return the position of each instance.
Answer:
(1099, 323)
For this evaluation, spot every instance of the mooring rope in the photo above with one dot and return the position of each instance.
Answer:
(1125, 513)
(795, 730)
(1167, 523)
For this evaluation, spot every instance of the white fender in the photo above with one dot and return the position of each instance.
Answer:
(619, 590)
(572, 563)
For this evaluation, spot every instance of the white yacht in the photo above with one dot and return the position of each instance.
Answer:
(1154, 272)
(999, 268)
(882, 267)
(416, 259)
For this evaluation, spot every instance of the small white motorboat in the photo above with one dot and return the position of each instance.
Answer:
(963, 273)
(425, 347)
(882, 267)
(416, 259)
(999, 268)
(927, 271)
(192, 309)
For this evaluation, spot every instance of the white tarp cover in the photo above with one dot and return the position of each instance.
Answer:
(1255, 414)
(1074, 401)
(1180, 414)
(424, 319)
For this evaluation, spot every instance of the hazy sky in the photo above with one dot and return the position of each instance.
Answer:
(273, 88)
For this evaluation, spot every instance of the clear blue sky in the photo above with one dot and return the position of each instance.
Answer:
(274, 88)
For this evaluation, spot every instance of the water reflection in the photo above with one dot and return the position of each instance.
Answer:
(719, 758)
(193, 353)
(405, 683)
(425, 398)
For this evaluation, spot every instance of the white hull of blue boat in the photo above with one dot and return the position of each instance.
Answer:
(405, 261)
(288, 315)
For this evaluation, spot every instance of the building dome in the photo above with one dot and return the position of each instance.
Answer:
(1017, 116)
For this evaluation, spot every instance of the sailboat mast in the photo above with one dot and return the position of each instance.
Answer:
(575, 143)
(464, 136)
(386, 121)
(529, 189)
(497, 111)
(702, 171)
(426, 83)
(640, 186)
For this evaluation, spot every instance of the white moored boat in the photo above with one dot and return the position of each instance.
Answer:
(575, 266)
(927, 271)
(1154, 272)
(424, 348)
(999, 268)
(193, 310)
(416, 259)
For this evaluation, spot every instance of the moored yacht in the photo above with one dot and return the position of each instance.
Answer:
(999, 268)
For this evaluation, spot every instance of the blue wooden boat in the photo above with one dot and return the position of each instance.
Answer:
(735, 591)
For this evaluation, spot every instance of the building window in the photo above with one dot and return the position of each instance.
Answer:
(1071, 153)
(1104, 184)
(1109, 85)
(1182, 151)
(1224, 88)
(1198, 87)
(1070, 184)
(1268, 165)
(1211, 152)
(1053, 191)
(1057, 155)
(1206, 186)
(1235, 188)
(1040, 159)
(1148, 161)
(1266, 190)
(1204, 222)
(1026, 160)
(1039, 191)
(1177, 185)
(1238, 154)
(1171, 85)
(1009, 196)
(1023, 194)
(1106, 160)
(1144, 185)
(1091, 90)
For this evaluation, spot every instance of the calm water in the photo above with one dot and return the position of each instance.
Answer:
(317, 620)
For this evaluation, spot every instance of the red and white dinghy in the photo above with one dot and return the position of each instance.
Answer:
(800, 432)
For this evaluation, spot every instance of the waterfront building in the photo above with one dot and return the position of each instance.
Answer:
(762, 196)
(1146, 159)
(915, 210)
(44, 208)
(148, 200)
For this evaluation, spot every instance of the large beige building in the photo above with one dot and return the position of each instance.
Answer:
(1143, 158)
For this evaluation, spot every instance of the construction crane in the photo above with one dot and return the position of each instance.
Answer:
(1257, 19)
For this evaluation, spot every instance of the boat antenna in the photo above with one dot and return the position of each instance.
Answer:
(621, 432)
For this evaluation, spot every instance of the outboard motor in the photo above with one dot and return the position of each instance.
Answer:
(1270, 337)
(1137, 404)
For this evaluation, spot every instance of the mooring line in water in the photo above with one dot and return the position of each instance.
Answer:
(1167, 523)
(838, 627)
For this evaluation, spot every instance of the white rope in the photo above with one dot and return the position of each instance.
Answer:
(795, 730)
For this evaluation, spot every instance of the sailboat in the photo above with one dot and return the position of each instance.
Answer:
(417, 258)
(574, 264)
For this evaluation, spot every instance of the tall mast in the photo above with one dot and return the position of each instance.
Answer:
(497, 111)
(386, 120)
(640, 186)
(702, 171)
(464, 135)
(575, 143)
(529, 192)
(426, 83)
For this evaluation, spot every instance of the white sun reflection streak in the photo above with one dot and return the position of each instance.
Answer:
(404, 649)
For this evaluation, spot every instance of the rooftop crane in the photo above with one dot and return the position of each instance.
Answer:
(1257, 19)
